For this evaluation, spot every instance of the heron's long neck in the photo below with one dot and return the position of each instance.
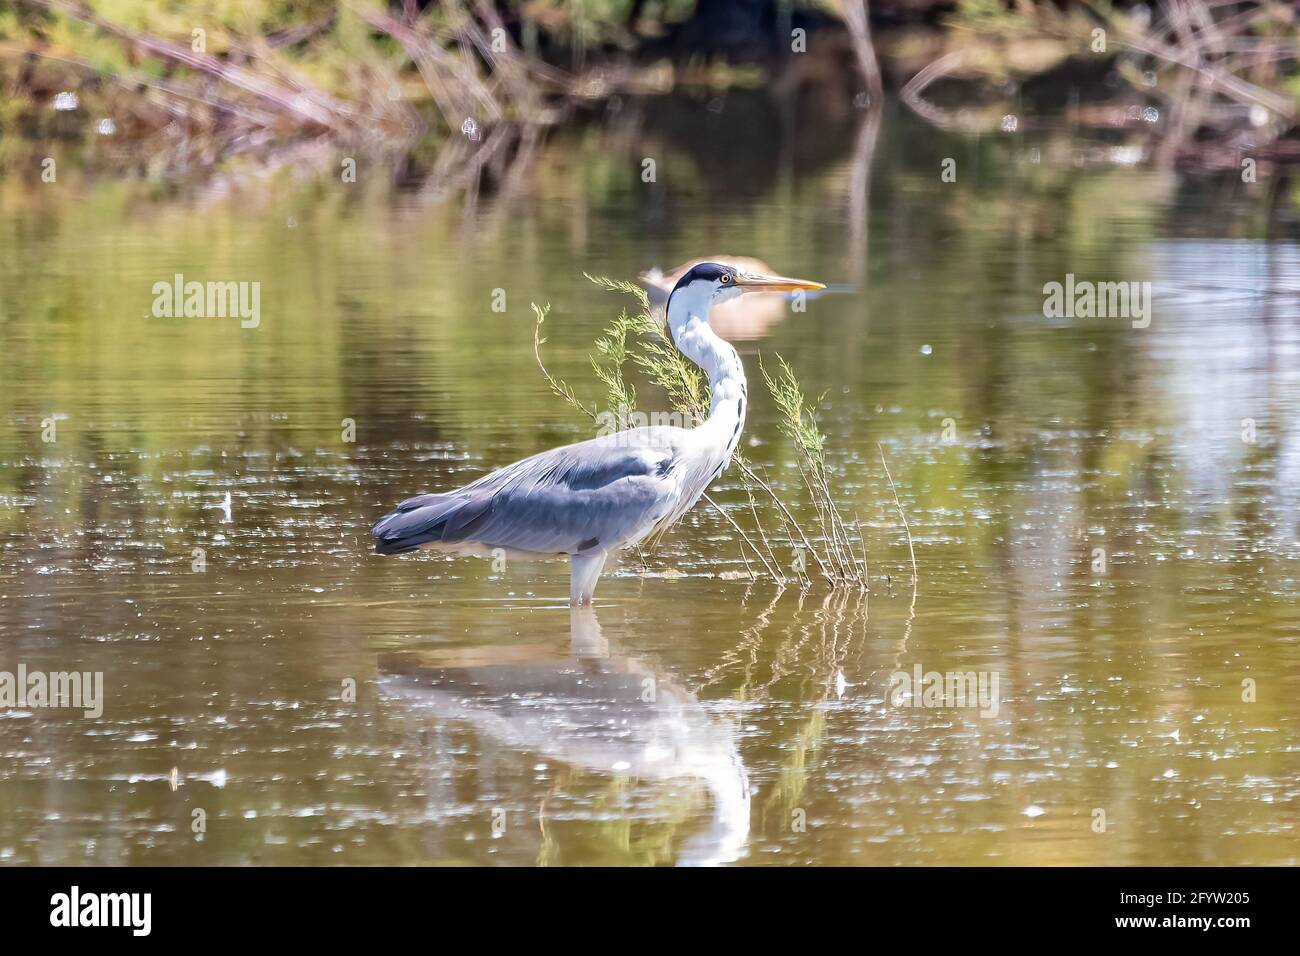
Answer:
(688, 320)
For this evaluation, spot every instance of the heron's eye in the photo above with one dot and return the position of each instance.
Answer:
(726, 278)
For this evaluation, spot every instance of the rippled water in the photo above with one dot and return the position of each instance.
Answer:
(693, 716)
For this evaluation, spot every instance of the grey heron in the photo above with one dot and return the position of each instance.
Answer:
(590, 499)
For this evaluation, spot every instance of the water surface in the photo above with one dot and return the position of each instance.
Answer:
(694, 717)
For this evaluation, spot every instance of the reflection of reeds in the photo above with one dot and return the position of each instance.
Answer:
(911, 549)
(813, 649)
(807, 661)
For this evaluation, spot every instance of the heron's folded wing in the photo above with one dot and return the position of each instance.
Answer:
(577, 498)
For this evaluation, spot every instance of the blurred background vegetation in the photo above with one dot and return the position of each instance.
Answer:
(200, 82)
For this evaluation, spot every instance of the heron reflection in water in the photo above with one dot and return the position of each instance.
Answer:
(597, 710)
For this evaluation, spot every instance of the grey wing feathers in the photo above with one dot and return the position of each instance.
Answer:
(592, 494)
(427, 518)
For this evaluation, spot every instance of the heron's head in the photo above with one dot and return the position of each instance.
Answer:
(716, 282)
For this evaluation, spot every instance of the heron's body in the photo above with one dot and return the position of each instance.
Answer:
(592, 498)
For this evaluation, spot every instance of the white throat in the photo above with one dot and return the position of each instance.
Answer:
(688, 320)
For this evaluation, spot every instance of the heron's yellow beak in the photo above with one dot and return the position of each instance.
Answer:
(761, 283)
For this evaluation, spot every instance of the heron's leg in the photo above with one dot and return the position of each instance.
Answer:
(586, 640)
(584, 569)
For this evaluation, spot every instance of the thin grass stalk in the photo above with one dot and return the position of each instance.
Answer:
(907, 528)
